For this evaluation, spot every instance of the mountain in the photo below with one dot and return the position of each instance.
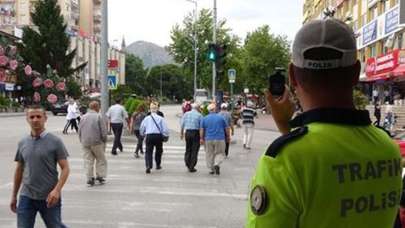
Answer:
(150, 53)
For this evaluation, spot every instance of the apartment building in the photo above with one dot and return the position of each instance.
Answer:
(83, 18)
(379, 26)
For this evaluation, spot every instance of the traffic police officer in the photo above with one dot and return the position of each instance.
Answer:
(331, 167)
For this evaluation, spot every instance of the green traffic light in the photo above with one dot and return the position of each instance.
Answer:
(211, 56)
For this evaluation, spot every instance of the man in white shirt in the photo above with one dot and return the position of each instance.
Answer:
(116, 115)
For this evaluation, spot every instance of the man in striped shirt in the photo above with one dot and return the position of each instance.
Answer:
(248, 114)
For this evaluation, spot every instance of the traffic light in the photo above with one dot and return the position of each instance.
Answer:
(220, 58)
(212, 52)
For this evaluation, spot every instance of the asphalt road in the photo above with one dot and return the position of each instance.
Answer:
(168, 198)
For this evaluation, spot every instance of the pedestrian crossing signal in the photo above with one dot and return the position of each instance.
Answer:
(112, 82)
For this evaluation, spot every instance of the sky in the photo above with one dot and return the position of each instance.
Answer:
(152, 20)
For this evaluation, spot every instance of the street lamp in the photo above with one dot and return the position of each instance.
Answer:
(195, 44)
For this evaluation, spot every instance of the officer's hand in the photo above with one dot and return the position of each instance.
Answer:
(13, 204)
(282, 109)
(53, 198)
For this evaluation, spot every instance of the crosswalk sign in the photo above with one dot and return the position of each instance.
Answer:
(112, 82)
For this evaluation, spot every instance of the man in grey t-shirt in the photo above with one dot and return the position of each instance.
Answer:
(36, 159)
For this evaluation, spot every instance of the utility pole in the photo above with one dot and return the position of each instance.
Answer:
(214, 40)
(161, 87)
(104, 57)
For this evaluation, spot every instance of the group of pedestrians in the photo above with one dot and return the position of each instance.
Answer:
(213, 131)
(330, 168)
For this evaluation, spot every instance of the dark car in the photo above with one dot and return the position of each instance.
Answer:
(59, 108)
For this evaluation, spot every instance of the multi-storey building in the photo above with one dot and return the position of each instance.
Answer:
(379, 28)
(83, 18)
(90, 18)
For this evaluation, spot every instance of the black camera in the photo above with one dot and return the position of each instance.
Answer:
(277, 82)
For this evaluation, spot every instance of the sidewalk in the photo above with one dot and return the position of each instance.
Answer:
(11, 114)
(265, 122)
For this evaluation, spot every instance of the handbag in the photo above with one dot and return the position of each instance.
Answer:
(164, 138)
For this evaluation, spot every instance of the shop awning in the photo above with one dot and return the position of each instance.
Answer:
(377, 77)
(399, 71)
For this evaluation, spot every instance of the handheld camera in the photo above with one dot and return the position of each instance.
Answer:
(277, 82)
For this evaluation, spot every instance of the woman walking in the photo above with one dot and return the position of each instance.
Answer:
(71, 116)
(136, 121)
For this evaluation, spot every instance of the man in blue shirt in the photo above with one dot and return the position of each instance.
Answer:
(191, 123)
(154, 128)
(214, 131)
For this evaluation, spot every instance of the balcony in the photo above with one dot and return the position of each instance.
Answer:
(97, 28)
(97, 17)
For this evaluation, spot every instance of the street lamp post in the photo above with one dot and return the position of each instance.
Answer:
(195, 44)
(104, 56)
(214, 40)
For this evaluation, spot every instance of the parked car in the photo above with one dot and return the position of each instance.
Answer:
(59, 108)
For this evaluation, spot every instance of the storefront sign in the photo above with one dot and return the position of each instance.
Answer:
(382, 64)
(391, 20)
(380, 28)
(10, 86)
(370, 32)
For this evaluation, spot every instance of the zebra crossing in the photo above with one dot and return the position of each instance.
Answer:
(130, 198)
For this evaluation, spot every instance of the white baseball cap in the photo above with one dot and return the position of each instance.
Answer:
(325, 35)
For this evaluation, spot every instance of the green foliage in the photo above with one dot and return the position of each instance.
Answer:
(360, 100)
(122, 91)
(73, 89)
(48, 44)
(174, 83)
(136, 75)
(263, 52)
(182, 47)
(132, 104)
(4, 101)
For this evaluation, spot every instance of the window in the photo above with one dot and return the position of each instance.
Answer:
(373, 50)
(373, 12)
(364, 19)
(355, 26)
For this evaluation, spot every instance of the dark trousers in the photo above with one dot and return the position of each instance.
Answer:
(140, 142)
(72, 123)
(192, 148)
(28, 208)
(226, 148)
(117, 130)
(377, 121)
(153, 141)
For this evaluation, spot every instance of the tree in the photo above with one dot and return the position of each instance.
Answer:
(263, 52)
(182, 46)
(174, 83)
(136, 75)
(48, 43)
